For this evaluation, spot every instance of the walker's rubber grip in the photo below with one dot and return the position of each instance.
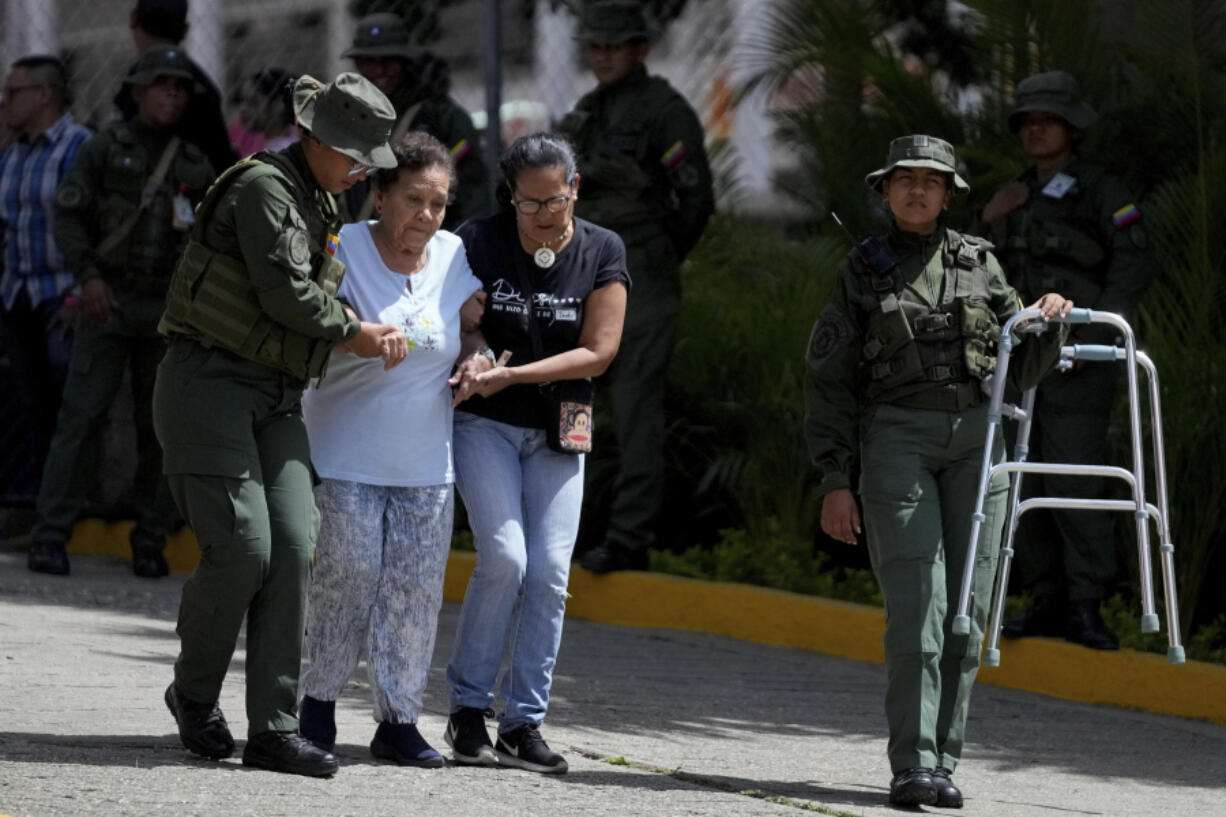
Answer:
(1099, 353)
(962, 625)
(1174, 655)
(1078, 314)
(1149, 623)
(991, 658)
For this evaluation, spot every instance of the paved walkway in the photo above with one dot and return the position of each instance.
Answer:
(654, 722)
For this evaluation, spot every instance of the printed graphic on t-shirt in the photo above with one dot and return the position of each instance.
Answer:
(422, 333)
(506, 298)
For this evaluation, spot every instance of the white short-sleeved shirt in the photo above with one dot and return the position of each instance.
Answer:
(393, 427)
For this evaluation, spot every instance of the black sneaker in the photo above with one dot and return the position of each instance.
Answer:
(288, 752)
(202, 727)
(913, 787)
(948, 795)
(468, 739)
(524, 748)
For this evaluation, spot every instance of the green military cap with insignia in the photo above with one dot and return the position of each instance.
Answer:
(1053, 92)
(612, 22)
(919, 150)
(158, 62)
(349, 115)
(381, 35)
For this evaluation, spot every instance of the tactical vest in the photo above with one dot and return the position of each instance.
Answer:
(623, 183)
(912, 350)
(144, 260)
(211, 295)
(1054, 245)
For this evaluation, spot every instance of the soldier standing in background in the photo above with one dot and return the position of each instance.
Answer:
(122, 213)
(381, 52)
(646, 177)
(162, 23)
(1068, 227)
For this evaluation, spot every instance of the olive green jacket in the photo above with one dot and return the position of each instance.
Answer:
(104, 186)
(642, 161)
(259, 222)
(1088, 244)
(836, 366)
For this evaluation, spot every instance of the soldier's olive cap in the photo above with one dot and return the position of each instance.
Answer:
(1054, 92)
(612, 23)
(381, 35)
(919, 151)
(349, 115)
(162, 61)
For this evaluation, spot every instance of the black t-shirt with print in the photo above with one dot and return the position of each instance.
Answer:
(594, 258)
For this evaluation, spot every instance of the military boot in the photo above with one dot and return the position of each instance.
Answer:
(1085, 626)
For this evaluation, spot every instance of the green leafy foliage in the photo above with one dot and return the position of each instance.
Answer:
(868, 72)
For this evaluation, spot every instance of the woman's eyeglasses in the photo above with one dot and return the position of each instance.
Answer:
(555, 204)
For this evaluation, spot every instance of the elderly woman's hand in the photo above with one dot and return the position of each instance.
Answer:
(473, 376)
(380, 340)
(471, 312)
(1051, 305)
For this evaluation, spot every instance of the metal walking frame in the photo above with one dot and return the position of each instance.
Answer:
(1142, 510)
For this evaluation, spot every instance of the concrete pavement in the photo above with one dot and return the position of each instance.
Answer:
(654, 722)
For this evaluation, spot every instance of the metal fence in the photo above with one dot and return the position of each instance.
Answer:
(541, 70)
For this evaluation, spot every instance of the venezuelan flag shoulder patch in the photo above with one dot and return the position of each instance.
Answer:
(333, 244)
(673, 155)
(460, 150)
(1125, 215)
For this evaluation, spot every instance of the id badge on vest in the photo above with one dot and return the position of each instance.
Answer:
(183, 215)
(1059, 186)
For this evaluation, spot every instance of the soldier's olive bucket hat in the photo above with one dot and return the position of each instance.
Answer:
(158, 62)
(612, 23)
(349, 115)
(918, 150)
(381, 35)
(1054, 92)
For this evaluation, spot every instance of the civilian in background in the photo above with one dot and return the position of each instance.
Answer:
(264, 120)
(35, 283)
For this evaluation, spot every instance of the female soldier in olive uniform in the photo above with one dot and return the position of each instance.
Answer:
(251, 316)
(893, 377)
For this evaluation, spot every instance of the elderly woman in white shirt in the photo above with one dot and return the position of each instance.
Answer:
(381, 442)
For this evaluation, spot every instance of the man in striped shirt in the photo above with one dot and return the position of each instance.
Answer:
(35, 284)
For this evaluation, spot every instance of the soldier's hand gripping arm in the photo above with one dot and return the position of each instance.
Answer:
(1037, 355)
(832, 411)
(679, 140)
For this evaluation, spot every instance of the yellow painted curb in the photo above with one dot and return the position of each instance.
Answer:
(1126, 678)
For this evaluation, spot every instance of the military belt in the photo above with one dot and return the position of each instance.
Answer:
(951, 397)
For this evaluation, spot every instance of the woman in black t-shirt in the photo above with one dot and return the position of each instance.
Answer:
(523, 498)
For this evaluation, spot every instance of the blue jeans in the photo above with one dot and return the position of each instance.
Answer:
(523, 505)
